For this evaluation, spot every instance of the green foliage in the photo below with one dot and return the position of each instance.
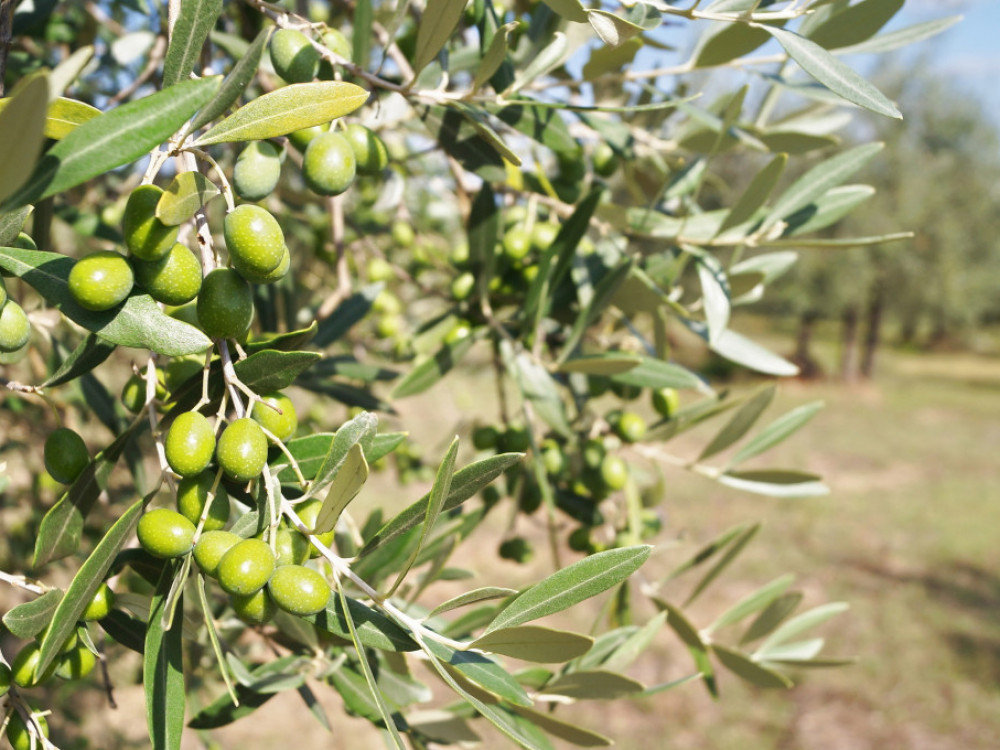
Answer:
(568, 242)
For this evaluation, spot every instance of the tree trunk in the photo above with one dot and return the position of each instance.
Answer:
(908, 330)
(809, 368)
(849, 345)
(873, 334)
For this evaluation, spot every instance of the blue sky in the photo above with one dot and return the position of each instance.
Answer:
(968, 51)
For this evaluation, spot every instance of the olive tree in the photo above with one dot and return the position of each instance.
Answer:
(237, 215)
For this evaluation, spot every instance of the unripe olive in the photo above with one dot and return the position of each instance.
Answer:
(165, 533)
(302, 138)
(630, 427)
(3, 292)
(101, 280)
(461, 330)
(517, 549)
(614, 472)
(308, 513)
(282, 425)
(299, 590)
(18, 734)
(517, 438)
(256, 171)
(242, 449)
(254, 239)
(192, 494)
(293, 56)
(211, 547)
(485, 437)
(65, 455)
(335, 41)
(173, 279)
(5, 679)
(15, 329)
(291, 547)
(379, 269)
(225, 305)
(146, 237)
(605, 160)
(370, 153)
(329, 164)
(76, 664)
(462, 286)
(666, 401)
(134, 391)
(190, 444)
(246, 568)
(277, 274)
(543, 234)
(22, 669)
(179, 369)
(402, 233)
(256, 608)
(100, 604)
(25, 241)
(516, 243)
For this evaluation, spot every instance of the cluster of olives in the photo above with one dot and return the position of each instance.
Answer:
(260, 577)
(582, 473)
(76, 660)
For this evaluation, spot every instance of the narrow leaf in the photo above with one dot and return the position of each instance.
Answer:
(472, 597)
(832, 73)
(91, 352)
(66, 72)
(496, 53)
(163, 670)
(187, 37)
(732, 551)
(756, 193)
(437, 23)
(753, 602)
(117, 137)
(85, 583)
(29, 619)
(431, 370)
(740, 423)
(855, 23)
(271, 370)
(609, 363)
(777, 431)
(801, 623)
(535, 643)
(738, 348)
(22, 121)
(349, 312)
(596, 685)
(714, 296)
(374, 629)
(771, 617)
(435, 501)
(481, 671)
(572, 733)
(896, 39)
(359, 430)
(234, 84)
(571, 585)
(780, 483)
(466, 483)
(749, 670)
(280, 112)
(185, 194)
(346, 484)
(571, 10)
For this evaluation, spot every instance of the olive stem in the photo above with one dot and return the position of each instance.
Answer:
(303, 482)
(227, 189)
(150, 407)
(21, 582)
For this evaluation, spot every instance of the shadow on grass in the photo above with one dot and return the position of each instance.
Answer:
(971, 596)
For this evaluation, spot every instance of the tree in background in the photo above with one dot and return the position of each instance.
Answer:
(234, 234)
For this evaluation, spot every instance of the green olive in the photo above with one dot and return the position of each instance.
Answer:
(379, 269)
(277, 274)
(173, 279)
(335, 41)
(192, 494)
(256, 172)
(604, 159)
(246, 568)
(101, 280)
(630, 427)
(516, 243)
(5, 679)
(666, 401)
(76, 664)
(543, 234)
(402, 233)
(254, 239)
(291, 547)
(66, 455)
(299, 590)
(462, 286)
(308, 513)
(225, 305)
(370, 153)
(100, 604)
(302, 138)
(211, 547)
(517, 549)
(293, 56)
(22, 669)
(614, 472)
(242, 449)
(18, 734)
(165, 533)
(329, 164)
(282, 425)
(256, 608)
(146, 237)
(3, 292)
(190, 444)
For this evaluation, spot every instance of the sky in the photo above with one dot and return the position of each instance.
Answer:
(968, 51)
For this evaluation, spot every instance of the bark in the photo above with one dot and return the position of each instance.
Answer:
(809, 368)
(849, 344)
(6, 26)
(873, 332)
